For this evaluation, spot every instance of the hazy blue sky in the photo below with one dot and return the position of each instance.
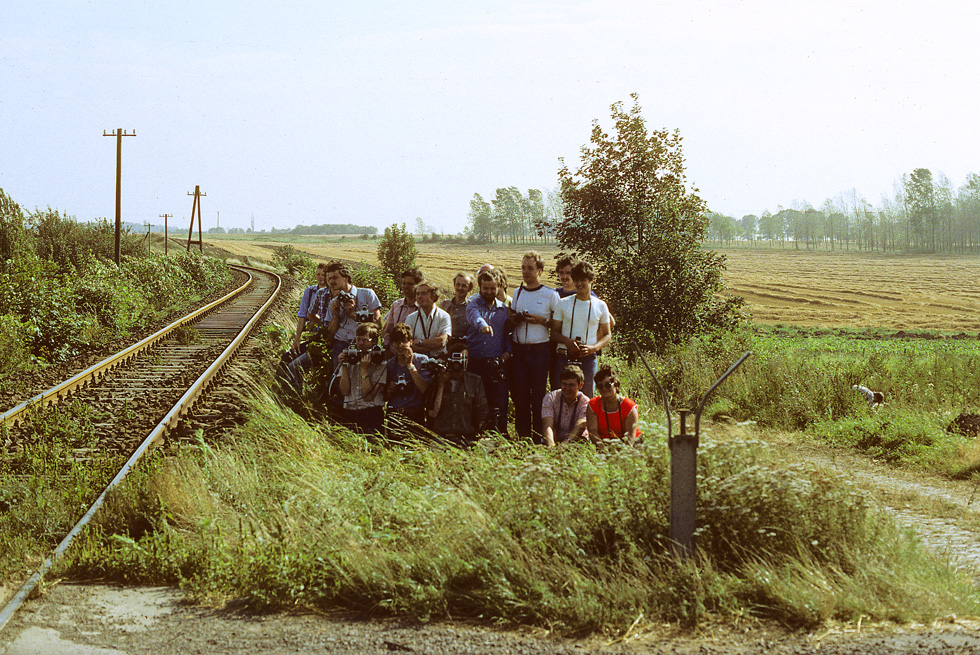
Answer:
(381, 112)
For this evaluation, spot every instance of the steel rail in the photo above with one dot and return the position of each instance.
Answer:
(65, 388)
(167, 423)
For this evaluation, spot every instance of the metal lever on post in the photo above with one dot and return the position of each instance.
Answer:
(684, 465)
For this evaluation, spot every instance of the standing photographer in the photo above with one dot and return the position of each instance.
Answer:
(402, 307)
(489, 345)
(581, 327)
(344, 312)
(362, 376)
(430, 325)
(408, 379)
(531, 311)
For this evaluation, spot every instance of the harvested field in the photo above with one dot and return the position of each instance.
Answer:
(781, 285)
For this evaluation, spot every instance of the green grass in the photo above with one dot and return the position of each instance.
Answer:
(572, 540)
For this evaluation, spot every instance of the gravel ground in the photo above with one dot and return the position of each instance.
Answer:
(99, 620)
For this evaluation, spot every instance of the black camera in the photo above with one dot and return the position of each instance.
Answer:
(434, 366)
(363, 315)
(496, 370)
(346, 296)
(457, 361)
(401, 384)
(377, 354)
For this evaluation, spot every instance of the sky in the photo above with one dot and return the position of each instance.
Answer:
(374, 113)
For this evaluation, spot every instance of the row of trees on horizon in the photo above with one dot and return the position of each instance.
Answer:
(925, 214)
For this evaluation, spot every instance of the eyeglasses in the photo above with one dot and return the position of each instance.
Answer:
(602, 386)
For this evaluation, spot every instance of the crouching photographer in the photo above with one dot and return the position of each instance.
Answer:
(408, 375)
(458, 410)
(362, 377)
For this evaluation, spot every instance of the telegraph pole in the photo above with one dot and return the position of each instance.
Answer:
(149, 248)
(166, 237)
(196, 207)
(119, 134)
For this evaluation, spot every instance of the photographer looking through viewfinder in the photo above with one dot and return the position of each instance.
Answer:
(362, 377)
(458, 411)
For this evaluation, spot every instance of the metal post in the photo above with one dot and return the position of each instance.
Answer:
(683, 488)
(684, 466)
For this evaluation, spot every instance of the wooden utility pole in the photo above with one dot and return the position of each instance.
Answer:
(149, 249)
(196, 207)
(119, 134)
(166, 237)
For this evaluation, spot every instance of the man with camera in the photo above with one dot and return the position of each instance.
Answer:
(430, 325)
(563, 410)
(489, 345)
(362, 377)
(531, 311)
(401, 308)
(408, 379)
(342, 313)
(581, 326)
(458, 410)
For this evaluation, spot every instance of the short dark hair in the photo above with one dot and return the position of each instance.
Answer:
(341, 268)
(572, 371)
(565, 260)
(607, 372)
(367, 330)
(401, 333)
(465, 276)
(415, 273)
(583, 271)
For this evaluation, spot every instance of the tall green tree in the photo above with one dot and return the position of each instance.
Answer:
(629, 212)
(396, 251)
(14, 238)
(920, 205)
(481, 220)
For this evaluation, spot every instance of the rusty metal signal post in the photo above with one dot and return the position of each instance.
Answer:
(196, 207)
(684, 465)
(119, 134)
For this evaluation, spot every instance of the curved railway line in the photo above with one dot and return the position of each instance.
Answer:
(138, 396)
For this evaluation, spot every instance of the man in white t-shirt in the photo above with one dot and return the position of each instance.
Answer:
(531, 310)
(581, 327)
(430, 325)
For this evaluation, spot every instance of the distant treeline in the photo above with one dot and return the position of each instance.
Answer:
(335, 228)
(923, 215)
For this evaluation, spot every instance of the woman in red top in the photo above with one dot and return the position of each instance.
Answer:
(610, 415)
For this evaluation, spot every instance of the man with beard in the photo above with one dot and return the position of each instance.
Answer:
(489, 345)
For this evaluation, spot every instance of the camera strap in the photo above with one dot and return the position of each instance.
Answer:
(419, 321)
(571, 328)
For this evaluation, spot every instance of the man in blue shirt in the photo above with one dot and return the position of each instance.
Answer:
(343, 312)
(408, 380)
(489, 345)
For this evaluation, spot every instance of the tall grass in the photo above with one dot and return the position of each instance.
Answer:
(293, 514)
(804, 383)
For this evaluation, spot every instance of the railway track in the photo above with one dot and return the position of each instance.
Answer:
(140, 395)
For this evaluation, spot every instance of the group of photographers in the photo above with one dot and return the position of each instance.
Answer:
(453, 366)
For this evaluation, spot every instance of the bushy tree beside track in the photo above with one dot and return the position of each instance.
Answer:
(628, 211)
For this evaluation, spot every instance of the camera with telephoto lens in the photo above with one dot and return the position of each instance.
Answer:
(401, 384)
(457, 361)
(363, 315)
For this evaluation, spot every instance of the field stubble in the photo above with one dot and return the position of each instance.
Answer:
(780, 285)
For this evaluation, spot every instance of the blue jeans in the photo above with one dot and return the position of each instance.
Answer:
(529, 374)
(589, 367)
(495, 386)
